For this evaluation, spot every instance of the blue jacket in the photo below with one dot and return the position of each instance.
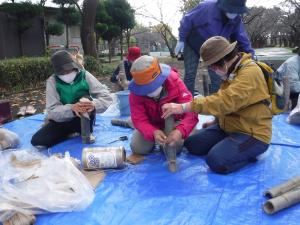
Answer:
(207, 20)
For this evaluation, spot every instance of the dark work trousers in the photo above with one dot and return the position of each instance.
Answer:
(225, 153)
(55, 132)
(294, 99)
(191, 62)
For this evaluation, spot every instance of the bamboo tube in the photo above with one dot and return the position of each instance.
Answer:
(283, 188)
(170, 152)
(281, 202)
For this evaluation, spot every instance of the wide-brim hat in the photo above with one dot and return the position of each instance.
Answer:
(63, 61)
(233, 6)
(214, 49)
(148, 75)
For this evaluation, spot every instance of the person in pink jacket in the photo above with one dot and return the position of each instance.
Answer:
(152, 86)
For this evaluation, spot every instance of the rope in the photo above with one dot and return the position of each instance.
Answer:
(286, 145)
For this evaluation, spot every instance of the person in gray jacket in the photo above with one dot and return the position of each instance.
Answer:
(64, 90)
(291, 68)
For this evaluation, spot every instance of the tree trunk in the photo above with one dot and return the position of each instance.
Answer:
(113, 47)
(109, 50)
(128, 31)
(121, 45)
(128, 43)
(47, 39)
(67, 36)
(21, 43)
(87, 32)
(44, 27)
(97, 43)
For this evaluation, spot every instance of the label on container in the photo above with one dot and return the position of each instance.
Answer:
(101, 160)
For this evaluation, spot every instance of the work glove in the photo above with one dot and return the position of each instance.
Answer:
(179, 47)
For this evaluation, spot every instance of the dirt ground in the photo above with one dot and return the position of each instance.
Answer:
(37, 97)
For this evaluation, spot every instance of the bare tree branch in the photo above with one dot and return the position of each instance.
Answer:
(252, 17)
(162, 28)
(77, 6)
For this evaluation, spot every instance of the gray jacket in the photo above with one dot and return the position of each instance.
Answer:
(58, 112)
(291, 68)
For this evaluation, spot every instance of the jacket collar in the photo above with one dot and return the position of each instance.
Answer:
(245, 57)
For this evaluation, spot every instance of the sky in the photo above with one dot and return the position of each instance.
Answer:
(170, 10)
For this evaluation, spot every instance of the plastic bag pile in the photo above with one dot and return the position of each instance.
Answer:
(294, 116)
(31, 183)
(8, 139)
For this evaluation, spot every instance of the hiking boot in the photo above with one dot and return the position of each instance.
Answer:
(92, 139)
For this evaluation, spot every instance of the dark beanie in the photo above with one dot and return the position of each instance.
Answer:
(63, 61)
(233, 6)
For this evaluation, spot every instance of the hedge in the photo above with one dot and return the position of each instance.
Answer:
(23, 73)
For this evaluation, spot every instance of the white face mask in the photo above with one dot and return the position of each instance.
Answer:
(221, 73)
(155, 93)
(68, 78)
(231, 16)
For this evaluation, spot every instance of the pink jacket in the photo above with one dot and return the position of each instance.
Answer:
(146, 112)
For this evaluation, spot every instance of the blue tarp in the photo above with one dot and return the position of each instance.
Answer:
(148, 194)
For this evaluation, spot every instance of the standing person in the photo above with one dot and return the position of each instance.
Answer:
(152, 86)
(243, 127)
(133, 54)
(64, 90)
(208, 19)
(291, 69)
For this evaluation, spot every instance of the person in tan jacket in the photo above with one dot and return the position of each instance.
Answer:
(243, 126)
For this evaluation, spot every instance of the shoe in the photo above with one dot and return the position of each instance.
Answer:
(92, 139)
(122, 122)
(196, 92)
(252, 160)
(75, 134)
(22, 111)
(30, 110)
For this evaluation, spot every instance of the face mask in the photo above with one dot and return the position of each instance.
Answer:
(231, 16)
(68, 78)
(155, 93)
(221, 73)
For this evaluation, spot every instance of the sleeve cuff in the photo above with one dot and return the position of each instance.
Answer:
(197, 105)
(182, 39)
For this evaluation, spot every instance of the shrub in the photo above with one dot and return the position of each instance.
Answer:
(96, 67)
(22, 73)
(91, 63)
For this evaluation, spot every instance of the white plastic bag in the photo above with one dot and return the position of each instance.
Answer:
(8, 139)
(113, 109)
(31, 183)
(294, 116)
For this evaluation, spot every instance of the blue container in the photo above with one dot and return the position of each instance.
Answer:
(123, 99)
